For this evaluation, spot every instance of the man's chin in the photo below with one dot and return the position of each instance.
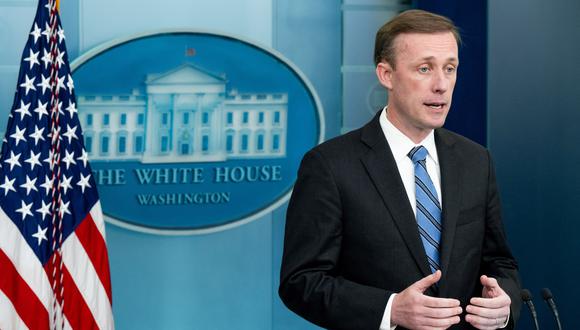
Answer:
(436, 124)
(438, 121)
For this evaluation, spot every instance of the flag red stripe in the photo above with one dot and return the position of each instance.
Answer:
(26, 303)
(96, 248)
(76, 310)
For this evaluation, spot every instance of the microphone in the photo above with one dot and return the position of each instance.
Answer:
(527, 298)
(549, 298)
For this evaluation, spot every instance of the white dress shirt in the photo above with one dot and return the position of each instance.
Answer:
(400, 146)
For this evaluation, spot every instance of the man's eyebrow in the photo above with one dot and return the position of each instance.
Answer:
(449, 59)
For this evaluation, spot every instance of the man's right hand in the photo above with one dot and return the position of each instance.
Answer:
(414, 310)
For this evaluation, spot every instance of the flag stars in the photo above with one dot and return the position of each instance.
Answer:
(47, 185)
(63, 209)
(69, 159)
(24, 210)
(72, 109)
(41, 110)
(59, 107)
(32, 58)
(49, 159)
(28, 84)
(29, 185)
(18, 135)
(54, 132)
(40, 235)
(33, 160)
(45, 83)
(46, 58)
(35, 85)
(44, 210)
(8, 185)
(49, 6)
(70, 133)
(60, 59)
(37, 135)
(60, 82)
(65, 183)
(60, 34)
(35, 32)
(47, 32)
(23, 110)
(84, 157)
(70, 84)
(84, 182)
(13, 160)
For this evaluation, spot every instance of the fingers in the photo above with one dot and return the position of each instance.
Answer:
(440, 302)
(420, 317)
(485, 323)
(497, 302)
(423, 284)
(490, 286)
(488, 281)
(436, 323)
(489, 313)
(442, 313)
(414, 310)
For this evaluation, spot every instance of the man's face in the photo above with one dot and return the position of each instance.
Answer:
(421, 84)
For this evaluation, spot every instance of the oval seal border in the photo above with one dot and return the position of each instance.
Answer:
(272, 52)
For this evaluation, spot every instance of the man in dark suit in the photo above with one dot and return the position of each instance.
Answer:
(397, 224)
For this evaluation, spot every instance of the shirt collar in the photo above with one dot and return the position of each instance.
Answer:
(401, 145)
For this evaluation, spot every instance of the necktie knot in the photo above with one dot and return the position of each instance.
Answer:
(417, 154)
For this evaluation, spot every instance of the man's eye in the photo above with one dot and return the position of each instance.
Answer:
(423, 69)
(450, 69)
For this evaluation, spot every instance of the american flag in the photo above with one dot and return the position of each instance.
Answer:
(54, 268)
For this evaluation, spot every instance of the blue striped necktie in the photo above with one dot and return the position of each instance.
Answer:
(428, 207)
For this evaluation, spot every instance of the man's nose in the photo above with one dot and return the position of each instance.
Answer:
(441, 82)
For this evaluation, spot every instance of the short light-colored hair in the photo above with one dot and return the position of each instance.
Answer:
(410, 21)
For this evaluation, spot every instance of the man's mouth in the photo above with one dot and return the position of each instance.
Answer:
(435, 105)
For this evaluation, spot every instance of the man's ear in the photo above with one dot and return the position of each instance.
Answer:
(384, 74)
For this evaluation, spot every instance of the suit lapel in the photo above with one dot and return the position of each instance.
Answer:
(382, 169)
(450, 187)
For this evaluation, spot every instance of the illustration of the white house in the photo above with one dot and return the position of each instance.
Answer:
(185, 115)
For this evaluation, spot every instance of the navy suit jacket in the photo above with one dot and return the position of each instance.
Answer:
(351, 236)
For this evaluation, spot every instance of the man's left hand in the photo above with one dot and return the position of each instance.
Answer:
(492, 310)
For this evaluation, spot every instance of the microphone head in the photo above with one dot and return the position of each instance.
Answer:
(526, 295)
(547, 294)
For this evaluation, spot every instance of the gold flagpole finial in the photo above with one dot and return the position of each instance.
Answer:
(58, 5)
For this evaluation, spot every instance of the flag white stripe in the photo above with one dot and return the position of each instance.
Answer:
(97, 215)
(87, 281)
(24, 260)
(66, 324)
(9, 318)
